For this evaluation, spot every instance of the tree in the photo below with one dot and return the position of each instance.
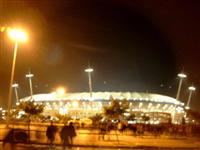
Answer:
(63, 118)
(96, 119)
(193, 115)
(116, 110)
(32, 109)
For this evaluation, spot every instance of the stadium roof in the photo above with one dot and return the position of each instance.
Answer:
(135, 96)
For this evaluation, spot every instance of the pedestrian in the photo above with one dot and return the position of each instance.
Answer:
(72, 133)
(50, 133)
(64, 135)
(102, 130)
(67, 134)
(13, 137)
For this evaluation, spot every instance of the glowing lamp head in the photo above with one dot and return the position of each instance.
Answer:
(15, 85)
(187, 107)
(60, 91)
(29, 75)
(191, 88)
(17, 35)
(89, 70)
(182, 75)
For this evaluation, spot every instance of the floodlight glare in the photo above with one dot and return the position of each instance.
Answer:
(89, 70)
(17, 35)
(182, 75)
(191, 88)
(60, 91)
(15, 85)
(187, 107)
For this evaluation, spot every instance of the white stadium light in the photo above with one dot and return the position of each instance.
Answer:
(182, 75)
(192, 88)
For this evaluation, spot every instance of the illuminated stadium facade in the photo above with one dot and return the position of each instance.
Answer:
(159, 108)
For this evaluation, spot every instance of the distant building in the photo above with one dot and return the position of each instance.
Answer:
(159, 108)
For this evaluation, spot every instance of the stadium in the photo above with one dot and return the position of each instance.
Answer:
(159, 108)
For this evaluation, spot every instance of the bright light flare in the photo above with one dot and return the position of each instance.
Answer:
(187, 107)
(191, 88)
(18, 35)
(89, 70)
(60, 91)
(15, 85)
(182, 75)
(29, 75)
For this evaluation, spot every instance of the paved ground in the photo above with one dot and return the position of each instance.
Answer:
(45, 147)
(42, 147)
(83, 140)
(90, 139)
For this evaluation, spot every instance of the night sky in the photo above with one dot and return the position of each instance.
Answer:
(137, 46)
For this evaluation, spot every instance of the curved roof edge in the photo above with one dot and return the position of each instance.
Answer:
(149, 97)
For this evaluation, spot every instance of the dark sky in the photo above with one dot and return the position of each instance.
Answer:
(136, 45)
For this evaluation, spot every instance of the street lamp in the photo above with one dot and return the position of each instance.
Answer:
(15, 86)
(89, 71)
(17, 36)
(191, 89)
(29, 76)
(181, 76)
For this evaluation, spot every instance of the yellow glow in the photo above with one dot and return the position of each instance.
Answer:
(60, 91)
(75, 104)
(140, 105)
(17, 35)
(187, 107)
(63, 111)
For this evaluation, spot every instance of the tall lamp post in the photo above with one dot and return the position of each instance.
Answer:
(17, 36)
(15, 86)
(29, 76)
(89, 71)
(181, 76)
(191, 89)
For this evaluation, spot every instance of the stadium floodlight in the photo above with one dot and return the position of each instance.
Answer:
(29, 76)
(89, 71)
(181, 76)
(191, 90)
(15, 86)
(60, 91)
(17, 35)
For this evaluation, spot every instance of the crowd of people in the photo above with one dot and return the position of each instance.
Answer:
(146, 129)
(67, 134)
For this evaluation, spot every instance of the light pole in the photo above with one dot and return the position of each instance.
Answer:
(89, 71)
(191, 89)
(29, 76)
(15, 86)
(17, 36)
(181, 76)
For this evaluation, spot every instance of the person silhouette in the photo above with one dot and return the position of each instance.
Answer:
(64, 135)
(50, 133)
(72, 133)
